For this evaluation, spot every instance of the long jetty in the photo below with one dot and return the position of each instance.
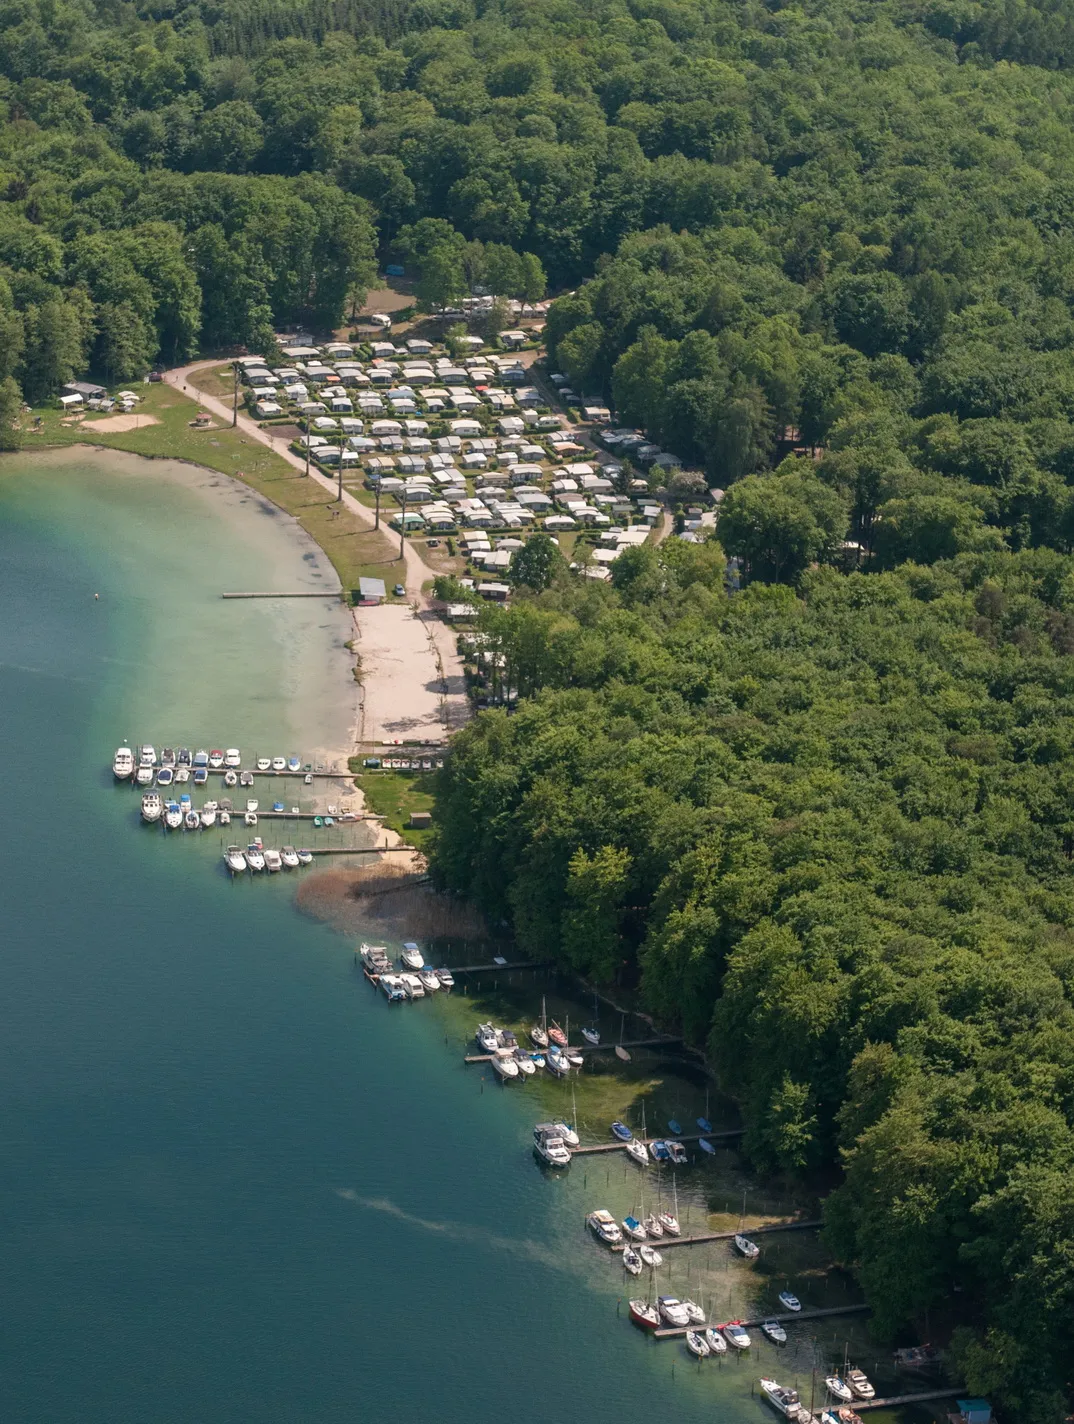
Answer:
(706, 1236)
(925, 1397)
(589, 1048)
(300, 593)
(690, 1137)
(670, 1331)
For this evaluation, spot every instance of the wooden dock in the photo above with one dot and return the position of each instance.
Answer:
(669, 1332)
(587, 1048)
(312, 815)
(706, 1236)
(927, 1396)
(502, 968)
(335, 593)
(690, 1137)
(359, 850)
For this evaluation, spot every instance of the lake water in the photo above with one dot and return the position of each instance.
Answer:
(234, 1185)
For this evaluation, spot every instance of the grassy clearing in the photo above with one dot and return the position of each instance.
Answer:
(394, 794)
(214, 381)
(354, 550)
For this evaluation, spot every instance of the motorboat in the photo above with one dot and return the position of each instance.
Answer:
(650, 1256)
(538, 1037)
(736, 1334)
(556, 1063)
(620, 1130)
(411, 956)
(488, 1038)
(167, 757)
(694, 1311)
(633, 1228)
(392, 988)
(604, 1226)
(413, 986)
(859, 1382)
(152, 807)
(839, 1388)
(289, 856)
(645, 1315)
(184, 803)
(526, 1065)
(173, 816)
(216, 759)
(279, 763)
(843, 1415)
(659, 1148)
(318, 821)
(697, 1344)
(789, 1301)
(539, 1060)
(677, 1151)
(182, 774)
(669, 1223)
(375, 958)
(675, 1126)
(638, 1151)
(192, 821)
(447, 979)
(208, 814)
(573, 1057)
(430, 982)
(549, 1146)
(305, 857)
(144, 775)
(123, 764)
(277, 806)
(249, 818)
(556, 1035)
(201, 758)
(246, 778)
(231, 777)
(273, 860)
(234, 859)
(328, 821)
(717, 1344)
(673, 1310)
(233, 758)
(745, 1247)
(147, 755)
(632, 1262)
(252, 803)
(263, 763)
(775, 1331)
(567, 1132)
(653, 1229)
(308, 778)
(503, 1063)
(293, 764)
(704, 1124)
(201, 775)
(165, 776)
(591, 1035)
(182, 757)
(782, 1398)
(254, 856)
(706, 1146)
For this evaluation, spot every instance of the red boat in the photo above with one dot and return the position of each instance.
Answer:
(556, 1035)
(644, 1314)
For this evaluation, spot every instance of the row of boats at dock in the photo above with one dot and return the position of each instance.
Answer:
(413, 980)
(143, 766)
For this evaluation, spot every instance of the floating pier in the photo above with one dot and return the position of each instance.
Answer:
(590, 1048)
(359, 850)
(690, 1137)
(670, 1331)
(928, 1396)
(299, 593)
(705, 1236)
(500, 968)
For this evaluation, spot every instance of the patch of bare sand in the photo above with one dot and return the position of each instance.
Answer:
(114, 424)
(394, 900)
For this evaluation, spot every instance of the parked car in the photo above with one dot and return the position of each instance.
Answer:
(399, 591)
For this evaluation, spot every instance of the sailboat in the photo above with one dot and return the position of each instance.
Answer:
(591, 1033)
(539, 1033)
(620, 1051)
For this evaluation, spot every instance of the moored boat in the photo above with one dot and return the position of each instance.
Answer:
(273, 860)
(201, 775)
(216, 759)
(504, 1064)
(839, 1388)
(704, 1124)
(538, 1037)
(430, 982)
(736, 1334)
(263, 763)
(201, 758)
(567, 1132)
(669, 1222)
(549, 1146)
(255, 858)
(717, 1344)
(249, 818)
(526, 1065)
(706, 1146)
(677, 1151)
(650, 1255)
(305, 857)
(144, 775)
(123, 764)
(165, 776)
(183, 757)
(745, 1247)
(860, 1383)
(234, 859)
(208, 814)
(604, 1226)
(182, 774)
(289, 856)
(293, 764)
(789, 1301)
(231, 777)
(233, 757)
(556, 1062)
(167, 757)
(675, 1126)
(488, 1038)
(246, 778)
(556, 1035)
(775, 1331)
(152, 807)
(411, 956)
(633, 1228)
(645, 1315)
(620, 1130)
(632, 1262)
(413, 986)
(694, 1311)
(173, 816)
(652, 1226)
(697, 1344)
(391, 988)
(638, 1151)
(591, 1035)
(659, 1148)
(279, 763)
(673, 1311)
(447, 979)
(782, 1398)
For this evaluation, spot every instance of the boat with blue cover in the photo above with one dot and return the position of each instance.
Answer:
(621, 1131)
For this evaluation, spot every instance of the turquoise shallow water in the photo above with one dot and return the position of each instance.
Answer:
(234, 1186)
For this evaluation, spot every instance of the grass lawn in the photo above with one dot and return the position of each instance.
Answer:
(215, 381)
(354, 550)
(394, 794)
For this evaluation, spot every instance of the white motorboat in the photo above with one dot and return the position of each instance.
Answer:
(745, 1247)
(505, 1065)
(249, 818)
(549, 1146)
(273, 860)
(279, 763)
(305, 857)
(147, 756)
(144, 775)
(860, 1383)
(673, 1310)
(645, 1315)
(413, 986)
(429, 981)
(165, 776)
(526, 1065)
(411, 956)
(182, 773)
(392, 989)
(252, 804)
(224, 817)
(604, 1225)
(632, 1262)
(234, 859)
(289, 856)
(447, 979)
(173, 816)
(652, 1226)
(717, 1344)
(775, 1331)
(839, 1388)
(231, 778)
(374, 957)
(216, 759)
(591, 1035)
(573, 1057)
(669, 1223)
(233, 757)
(567, 1132)
(183, 757)
(697, 1344)
(736, 1334)
(694, 1311)
(152, 807)
(123, 764)
(638, 1150)
(192, 821)
(294, 764)
(201, 760)
(650, 1256)
(246, 778)
(488, 1038)
(254, 857)
(167, 757)
(789, 1301)
(208, 815)
(782, 1398)
(264, 763)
